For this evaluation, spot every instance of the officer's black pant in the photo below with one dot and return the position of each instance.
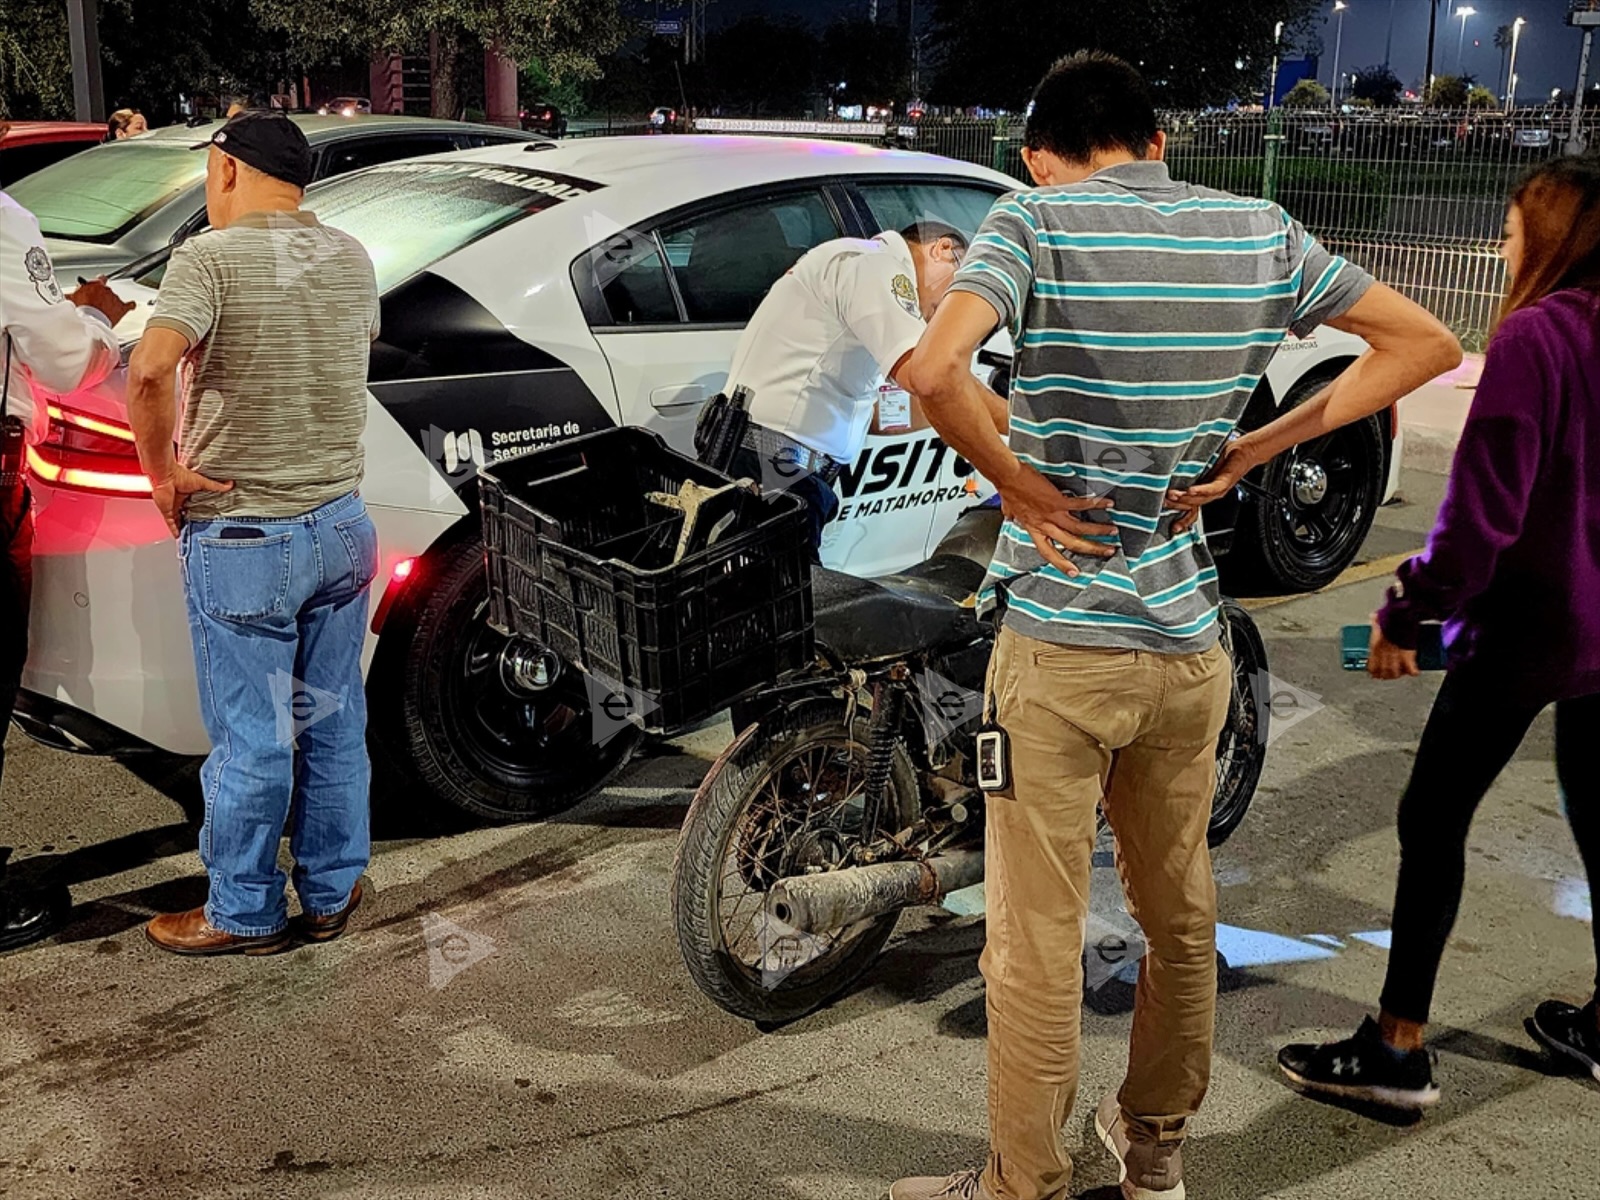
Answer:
(16, 597)
(821, 501)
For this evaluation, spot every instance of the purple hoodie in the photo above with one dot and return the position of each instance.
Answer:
(1513, 563)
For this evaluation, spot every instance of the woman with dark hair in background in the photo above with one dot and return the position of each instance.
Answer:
(1513, 569)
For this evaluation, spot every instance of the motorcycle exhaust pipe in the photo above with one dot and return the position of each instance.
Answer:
(838, 899)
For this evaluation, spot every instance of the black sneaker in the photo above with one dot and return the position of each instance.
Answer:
(1362, 1068)
(1569, 1032)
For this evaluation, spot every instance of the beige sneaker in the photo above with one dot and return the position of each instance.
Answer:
(964, 1185)
(1150, 1170)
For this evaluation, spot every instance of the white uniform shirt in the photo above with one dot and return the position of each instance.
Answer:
(827, 332)
(55, 345)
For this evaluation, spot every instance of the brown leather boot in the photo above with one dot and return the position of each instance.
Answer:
(1150, 1170)
(325, 929)
(191, 934)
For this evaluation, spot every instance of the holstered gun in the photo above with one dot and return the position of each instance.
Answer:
(719, 434)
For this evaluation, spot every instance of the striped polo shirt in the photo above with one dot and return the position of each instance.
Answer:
(1144, 313)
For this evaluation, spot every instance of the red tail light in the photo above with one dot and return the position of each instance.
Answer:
(398, 575)
(88, 453)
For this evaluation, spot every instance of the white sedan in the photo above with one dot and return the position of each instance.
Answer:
(531, 295)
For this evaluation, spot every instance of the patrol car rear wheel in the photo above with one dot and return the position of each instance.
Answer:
(459, 722)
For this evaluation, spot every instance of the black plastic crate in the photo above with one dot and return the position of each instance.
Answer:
(581, 562)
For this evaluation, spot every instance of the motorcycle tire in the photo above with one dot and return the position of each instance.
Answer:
(721, 815)
(1242, 749)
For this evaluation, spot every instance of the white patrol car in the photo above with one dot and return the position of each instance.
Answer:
(532, 295)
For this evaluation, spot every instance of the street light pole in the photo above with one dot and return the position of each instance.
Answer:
(1465, 11)
(1516, 36)
(1339, 6)
(83, 36)
(1277, 50)
(1388, 44)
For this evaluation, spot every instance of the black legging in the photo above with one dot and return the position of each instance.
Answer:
(1472, 733)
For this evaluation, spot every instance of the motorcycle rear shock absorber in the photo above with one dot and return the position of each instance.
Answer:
(883, 730)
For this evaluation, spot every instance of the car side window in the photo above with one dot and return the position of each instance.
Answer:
(631, 274)
(357, 153)
(726, 262)
(898, 205)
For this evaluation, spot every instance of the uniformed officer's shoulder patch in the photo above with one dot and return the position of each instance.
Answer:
(906, 293)
(43, 275)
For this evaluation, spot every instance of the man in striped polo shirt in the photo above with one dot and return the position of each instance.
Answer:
(1144, 312)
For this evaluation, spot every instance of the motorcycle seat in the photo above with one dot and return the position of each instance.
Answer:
(897, 615)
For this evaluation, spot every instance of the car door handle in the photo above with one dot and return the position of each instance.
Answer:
(682, 395)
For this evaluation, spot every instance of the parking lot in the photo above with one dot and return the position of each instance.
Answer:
(510, 1018)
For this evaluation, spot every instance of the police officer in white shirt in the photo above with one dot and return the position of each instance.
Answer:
(846, 316)
(52, 343)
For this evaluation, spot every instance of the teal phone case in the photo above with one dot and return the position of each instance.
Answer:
(1355, 639)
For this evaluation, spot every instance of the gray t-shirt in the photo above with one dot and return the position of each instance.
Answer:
(280, 312)
(1144, 312)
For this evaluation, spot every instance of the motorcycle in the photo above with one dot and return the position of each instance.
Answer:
(850, 793)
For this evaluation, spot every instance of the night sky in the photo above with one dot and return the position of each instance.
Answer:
(1547, 58)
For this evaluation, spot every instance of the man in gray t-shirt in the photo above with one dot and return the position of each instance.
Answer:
(268, 317)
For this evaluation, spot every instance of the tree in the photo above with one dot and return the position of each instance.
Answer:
(567, 37)
(1503, 38)
(872, 61)
(166, 47)
(759, 65)
(1308, 93)
(1379, 86)
(993, 52)
(1448, 91)
(1481, 97)
(35, 61)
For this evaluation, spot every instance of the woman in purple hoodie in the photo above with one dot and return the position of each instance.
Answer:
(1513, 569)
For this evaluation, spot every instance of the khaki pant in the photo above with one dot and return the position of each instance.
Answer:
(1137, 731)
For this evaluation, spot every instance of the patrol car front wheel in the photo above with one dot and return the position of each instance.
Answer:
(475, 734)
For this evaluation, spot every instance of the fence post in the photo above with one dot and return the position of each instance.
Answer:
(1001, 140)
(1274, 142)
(1576, 142)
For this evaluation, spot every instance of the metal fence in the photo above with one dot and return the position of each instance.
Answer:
(1416, 197)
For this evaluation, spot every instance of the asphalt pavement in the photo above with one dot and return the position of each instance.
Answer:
(509, 1017)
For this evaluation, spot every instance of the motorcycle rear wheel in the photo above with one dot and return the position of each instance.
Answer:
(786, 802)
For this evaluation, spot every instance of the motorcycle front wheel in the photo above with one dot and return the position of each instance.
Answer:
(1242, 749)
(789, 801)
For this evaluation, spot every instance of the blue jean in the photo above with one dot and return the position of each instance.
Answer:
(277, 614)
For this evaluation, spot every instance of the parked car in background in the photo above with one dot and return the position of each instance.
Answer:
(346, 106)
(533, 297)
(546, 119)
(29, 146)
(664, 119)
(116, 203)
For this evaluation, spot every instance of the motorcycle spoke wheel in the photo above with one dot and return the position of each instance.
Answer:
(804, 817)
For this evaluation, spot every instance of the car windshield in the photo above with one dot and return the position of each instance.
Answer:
(409, 215)
(99, 195)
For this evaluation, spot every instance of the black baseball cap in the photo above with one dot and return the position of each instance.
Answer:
(268, 141)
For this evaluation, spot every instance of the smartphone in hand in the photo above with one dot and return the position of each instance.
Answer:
(1354, 641)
